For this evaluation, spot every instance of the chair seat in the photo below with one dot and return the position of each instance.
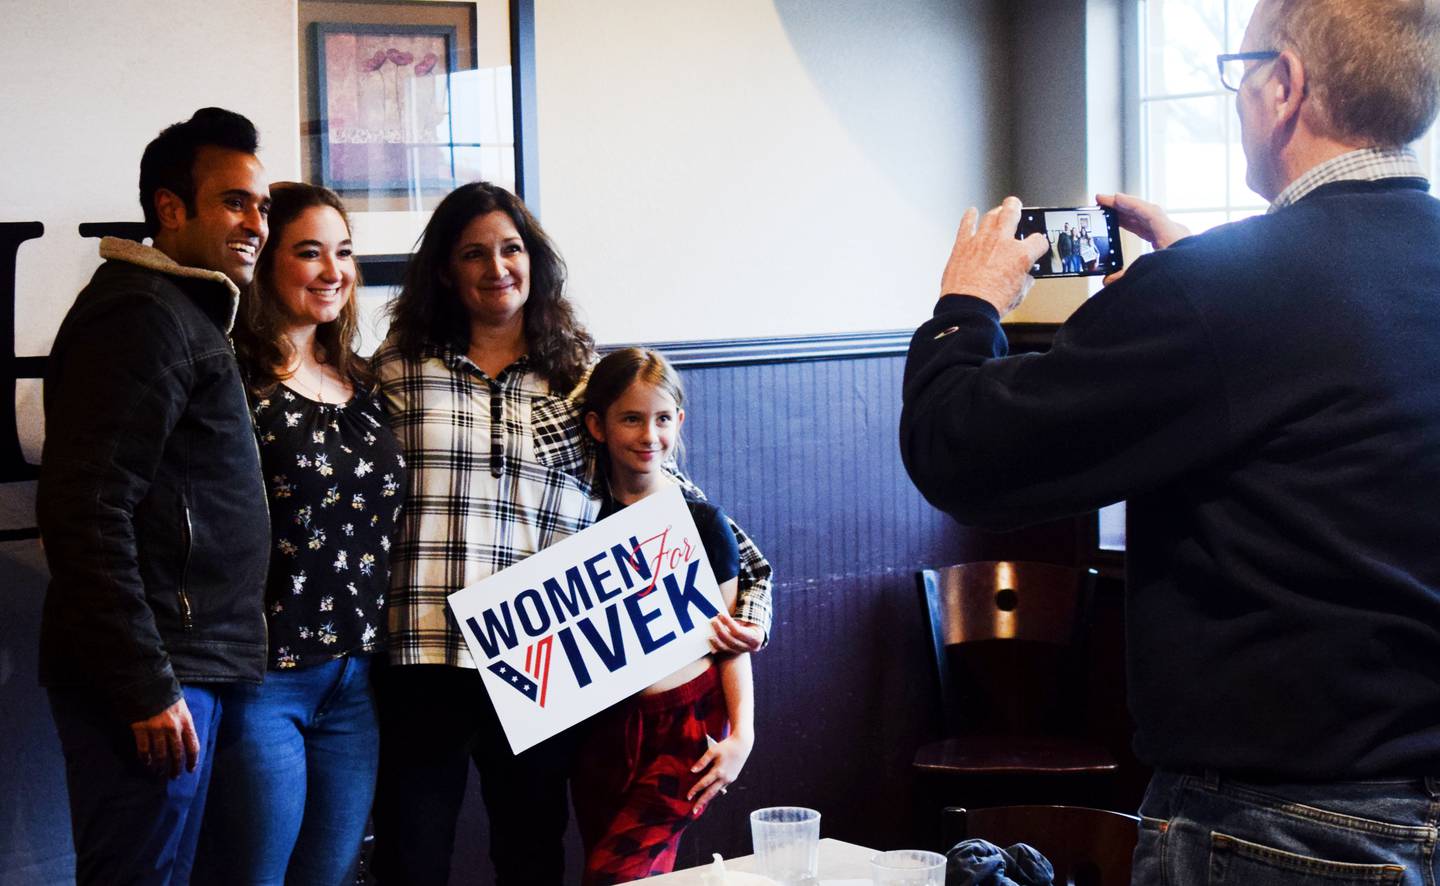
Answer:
(1005, 754)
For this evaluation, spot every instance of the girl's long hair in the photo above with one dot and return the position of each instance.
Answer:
(261, 344)
(427, 310)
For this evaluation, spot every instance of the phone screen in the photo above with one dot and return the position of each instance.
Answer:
(1084, 240)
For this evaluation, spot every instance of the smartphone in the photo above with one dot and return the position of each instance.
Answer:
(1084, 240)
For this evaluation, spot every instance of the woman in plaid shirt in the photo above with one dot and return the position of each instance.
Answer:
(480, 371)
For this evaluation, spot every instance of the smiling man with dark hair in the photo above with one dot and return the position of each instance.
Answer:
(151, 508)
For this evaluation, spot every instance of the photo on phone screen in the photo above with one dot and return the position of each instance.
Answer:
(1084, 240)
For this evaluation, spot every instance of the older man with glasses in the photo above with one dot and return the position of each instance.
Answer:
(1267, 397)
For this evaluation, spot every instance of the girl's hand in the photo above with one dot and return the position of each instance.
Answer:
(724, 760)
(734, 635)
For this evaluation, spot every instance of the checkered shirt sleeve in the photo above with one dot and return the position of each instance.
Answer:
(753, 601)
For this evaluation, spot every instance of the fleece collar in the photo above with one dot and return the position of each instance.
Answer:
(149, 257)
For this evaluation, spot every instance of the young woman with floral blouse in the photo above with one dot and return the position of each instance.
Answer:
(296, 757)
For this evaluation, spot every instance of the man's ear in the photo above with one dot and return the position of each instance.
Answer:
(170, 209)
(1290, 90)
(595, 426)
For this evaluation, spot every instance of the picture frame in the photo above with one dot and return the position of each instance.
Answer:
(384, 107)
(492, 92)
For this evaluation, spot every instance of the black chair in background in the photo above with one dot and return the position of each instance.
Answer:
(1088, 847)
(1011, 681)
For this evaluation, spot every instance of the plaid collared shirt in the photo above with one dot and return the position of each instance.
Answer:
(499, 469)
(1366, 164)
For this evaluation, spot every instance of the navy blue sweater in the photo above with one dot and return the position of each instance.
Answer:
(1267, 397)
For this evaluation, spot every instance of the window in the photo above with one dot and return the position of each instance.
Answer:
(1191, 161)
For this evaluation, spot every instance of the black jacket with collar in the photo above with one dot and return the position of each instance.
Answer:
(151, 505)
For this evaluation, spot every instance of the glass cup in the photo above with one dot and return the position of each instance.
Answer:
(787, 843)
(908, 867)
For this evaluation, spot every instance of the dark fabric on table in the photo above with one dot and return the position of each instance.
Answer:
(982, 863)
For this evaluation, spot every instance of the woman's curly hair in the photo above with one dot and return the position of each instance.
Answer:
(427, 310)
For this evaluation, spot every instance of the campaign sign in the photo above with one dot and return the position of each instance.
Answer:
(592, 619)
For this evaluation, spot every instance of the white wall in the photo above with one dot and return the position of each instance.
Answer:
(89, 84)
(732, 168)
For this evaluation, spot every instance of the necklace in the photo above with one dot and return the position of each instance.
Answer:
(316, 393)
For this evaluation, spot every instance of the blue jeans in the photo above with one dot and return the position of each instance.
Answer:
(1210, 829)
(131, 825)
(294, 777)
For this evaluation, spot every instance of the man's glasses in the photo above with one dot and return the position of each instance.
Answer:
(1232, 66)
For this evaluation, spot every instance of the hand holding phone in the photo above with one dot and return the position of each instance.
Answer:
(987, 262)
(1084, 240)
(1144, 219)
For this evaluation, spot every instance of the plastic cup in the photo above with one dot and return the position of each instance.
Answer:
(908, 867)
(787, 843)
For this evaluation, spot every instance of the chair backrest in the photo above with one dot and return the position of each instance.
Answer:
(973, 603)
(1002, 600)
(1088, 847)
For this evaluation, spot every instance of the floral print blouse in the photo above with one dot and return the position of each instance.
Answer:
(336, 482)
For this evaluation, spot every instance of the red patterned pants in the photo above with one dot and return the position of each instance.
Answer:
(633, 773)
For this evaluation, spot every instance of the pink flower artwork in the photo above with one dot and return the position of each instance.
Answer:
(387, 98)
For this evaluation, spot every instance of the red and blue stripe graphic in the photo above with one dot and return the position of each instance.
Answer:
(534, 681)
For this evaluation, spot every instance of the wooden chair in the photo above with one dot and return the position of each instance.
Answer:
(1088, 847)
(1002, 634)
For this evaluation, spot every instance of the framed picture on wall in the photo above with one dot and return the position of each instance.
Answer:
(401, 101)
(385, 108)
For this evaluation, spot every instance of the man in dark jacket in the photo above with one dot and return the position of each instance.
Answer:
(1272, 415)
(151, 507)
(1066, 247)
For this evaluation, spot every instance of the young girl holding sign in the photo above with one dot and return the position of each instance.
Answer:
(651, 764)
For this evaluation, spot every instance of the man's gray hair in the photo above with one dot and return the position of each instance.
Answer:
(1372, 66)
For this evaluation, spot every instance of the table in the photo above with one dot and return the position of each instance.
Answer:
(838, 861)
